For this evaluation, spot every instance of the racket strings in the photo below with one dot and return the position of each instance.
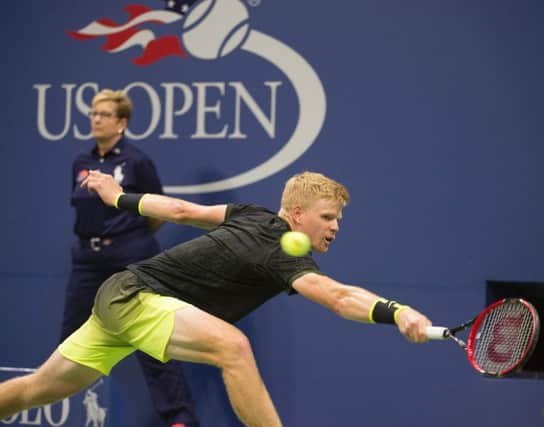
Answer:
(503, 338)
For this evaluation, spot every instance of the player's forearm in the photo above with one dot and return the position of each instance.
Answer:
(163, 208)
(347, 301)
(360, 305)
(172, 209)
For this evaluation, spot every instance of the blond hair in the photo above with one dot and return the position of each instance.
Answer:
(123, 105)
(305, 188)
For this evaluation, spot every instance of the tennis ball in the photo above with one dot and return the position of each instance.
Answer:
(295, 243)
(214, 28)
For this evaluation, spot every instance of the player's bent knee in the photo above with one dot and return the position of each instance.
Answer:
(236, 350)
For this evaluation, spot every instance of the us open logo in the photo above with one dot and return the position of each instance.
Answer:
(208, 30)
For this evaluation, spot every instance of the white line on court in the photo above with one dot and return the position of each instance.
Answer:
(10, 369)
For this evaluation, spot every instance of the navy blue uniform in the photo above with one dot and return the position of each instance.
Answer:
(107, 240)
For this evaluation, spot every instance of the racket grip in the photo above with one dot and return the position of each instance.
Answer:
(436, 332)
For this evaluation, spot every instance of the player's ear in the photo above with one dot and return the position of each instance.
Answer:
(296, 214)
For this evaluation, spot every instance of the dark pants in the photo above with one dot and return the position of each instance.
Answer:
(166, 382)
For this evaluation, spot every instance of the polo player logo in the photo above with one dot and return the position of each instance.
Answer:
(118, 174)
(96, 415)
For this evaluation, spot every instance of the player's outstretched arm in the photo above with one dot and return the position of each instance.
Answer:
(358, 304)
(154, 205)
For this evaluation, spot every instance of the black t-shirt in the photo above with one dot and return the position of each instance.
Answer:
(231, 270)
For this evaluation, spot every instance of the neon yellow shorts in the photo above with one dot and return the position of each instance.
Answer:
(125, 318)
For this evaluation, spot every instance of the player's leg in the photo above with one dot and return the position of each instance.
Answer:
(56, 379)
(201, 337)
(167, 328)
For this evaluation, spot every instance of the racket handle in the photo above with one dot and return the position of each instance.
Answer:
(437, 332)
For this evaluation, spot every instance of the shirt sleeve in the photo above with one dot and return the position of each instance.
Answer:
(286, 269)
(148, 180)
(234, 209)
(74, 182)
(73, 177)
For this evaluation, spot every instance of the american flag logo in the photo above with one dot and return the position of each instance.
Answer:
(135, 32)
(84, 173)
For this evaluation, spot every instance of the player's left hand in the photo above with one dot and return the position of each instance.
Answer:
(106, 187)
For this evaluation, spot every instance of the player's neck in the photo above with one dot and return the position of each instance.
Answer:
(285, 216)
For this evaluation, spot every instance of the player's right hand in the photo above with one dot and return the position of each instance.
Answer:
(412, 324)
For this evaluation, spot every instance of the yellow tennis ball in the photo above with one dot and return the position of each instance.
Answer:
(295, 243)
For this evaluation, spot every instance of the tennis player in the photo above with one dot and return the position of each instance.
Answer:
(183, 303)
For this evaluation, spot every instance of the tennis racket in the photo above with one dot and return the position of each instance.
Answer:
(501, 339)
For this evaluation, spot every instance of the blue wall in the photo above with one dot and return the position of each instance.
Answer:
(433, 121)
